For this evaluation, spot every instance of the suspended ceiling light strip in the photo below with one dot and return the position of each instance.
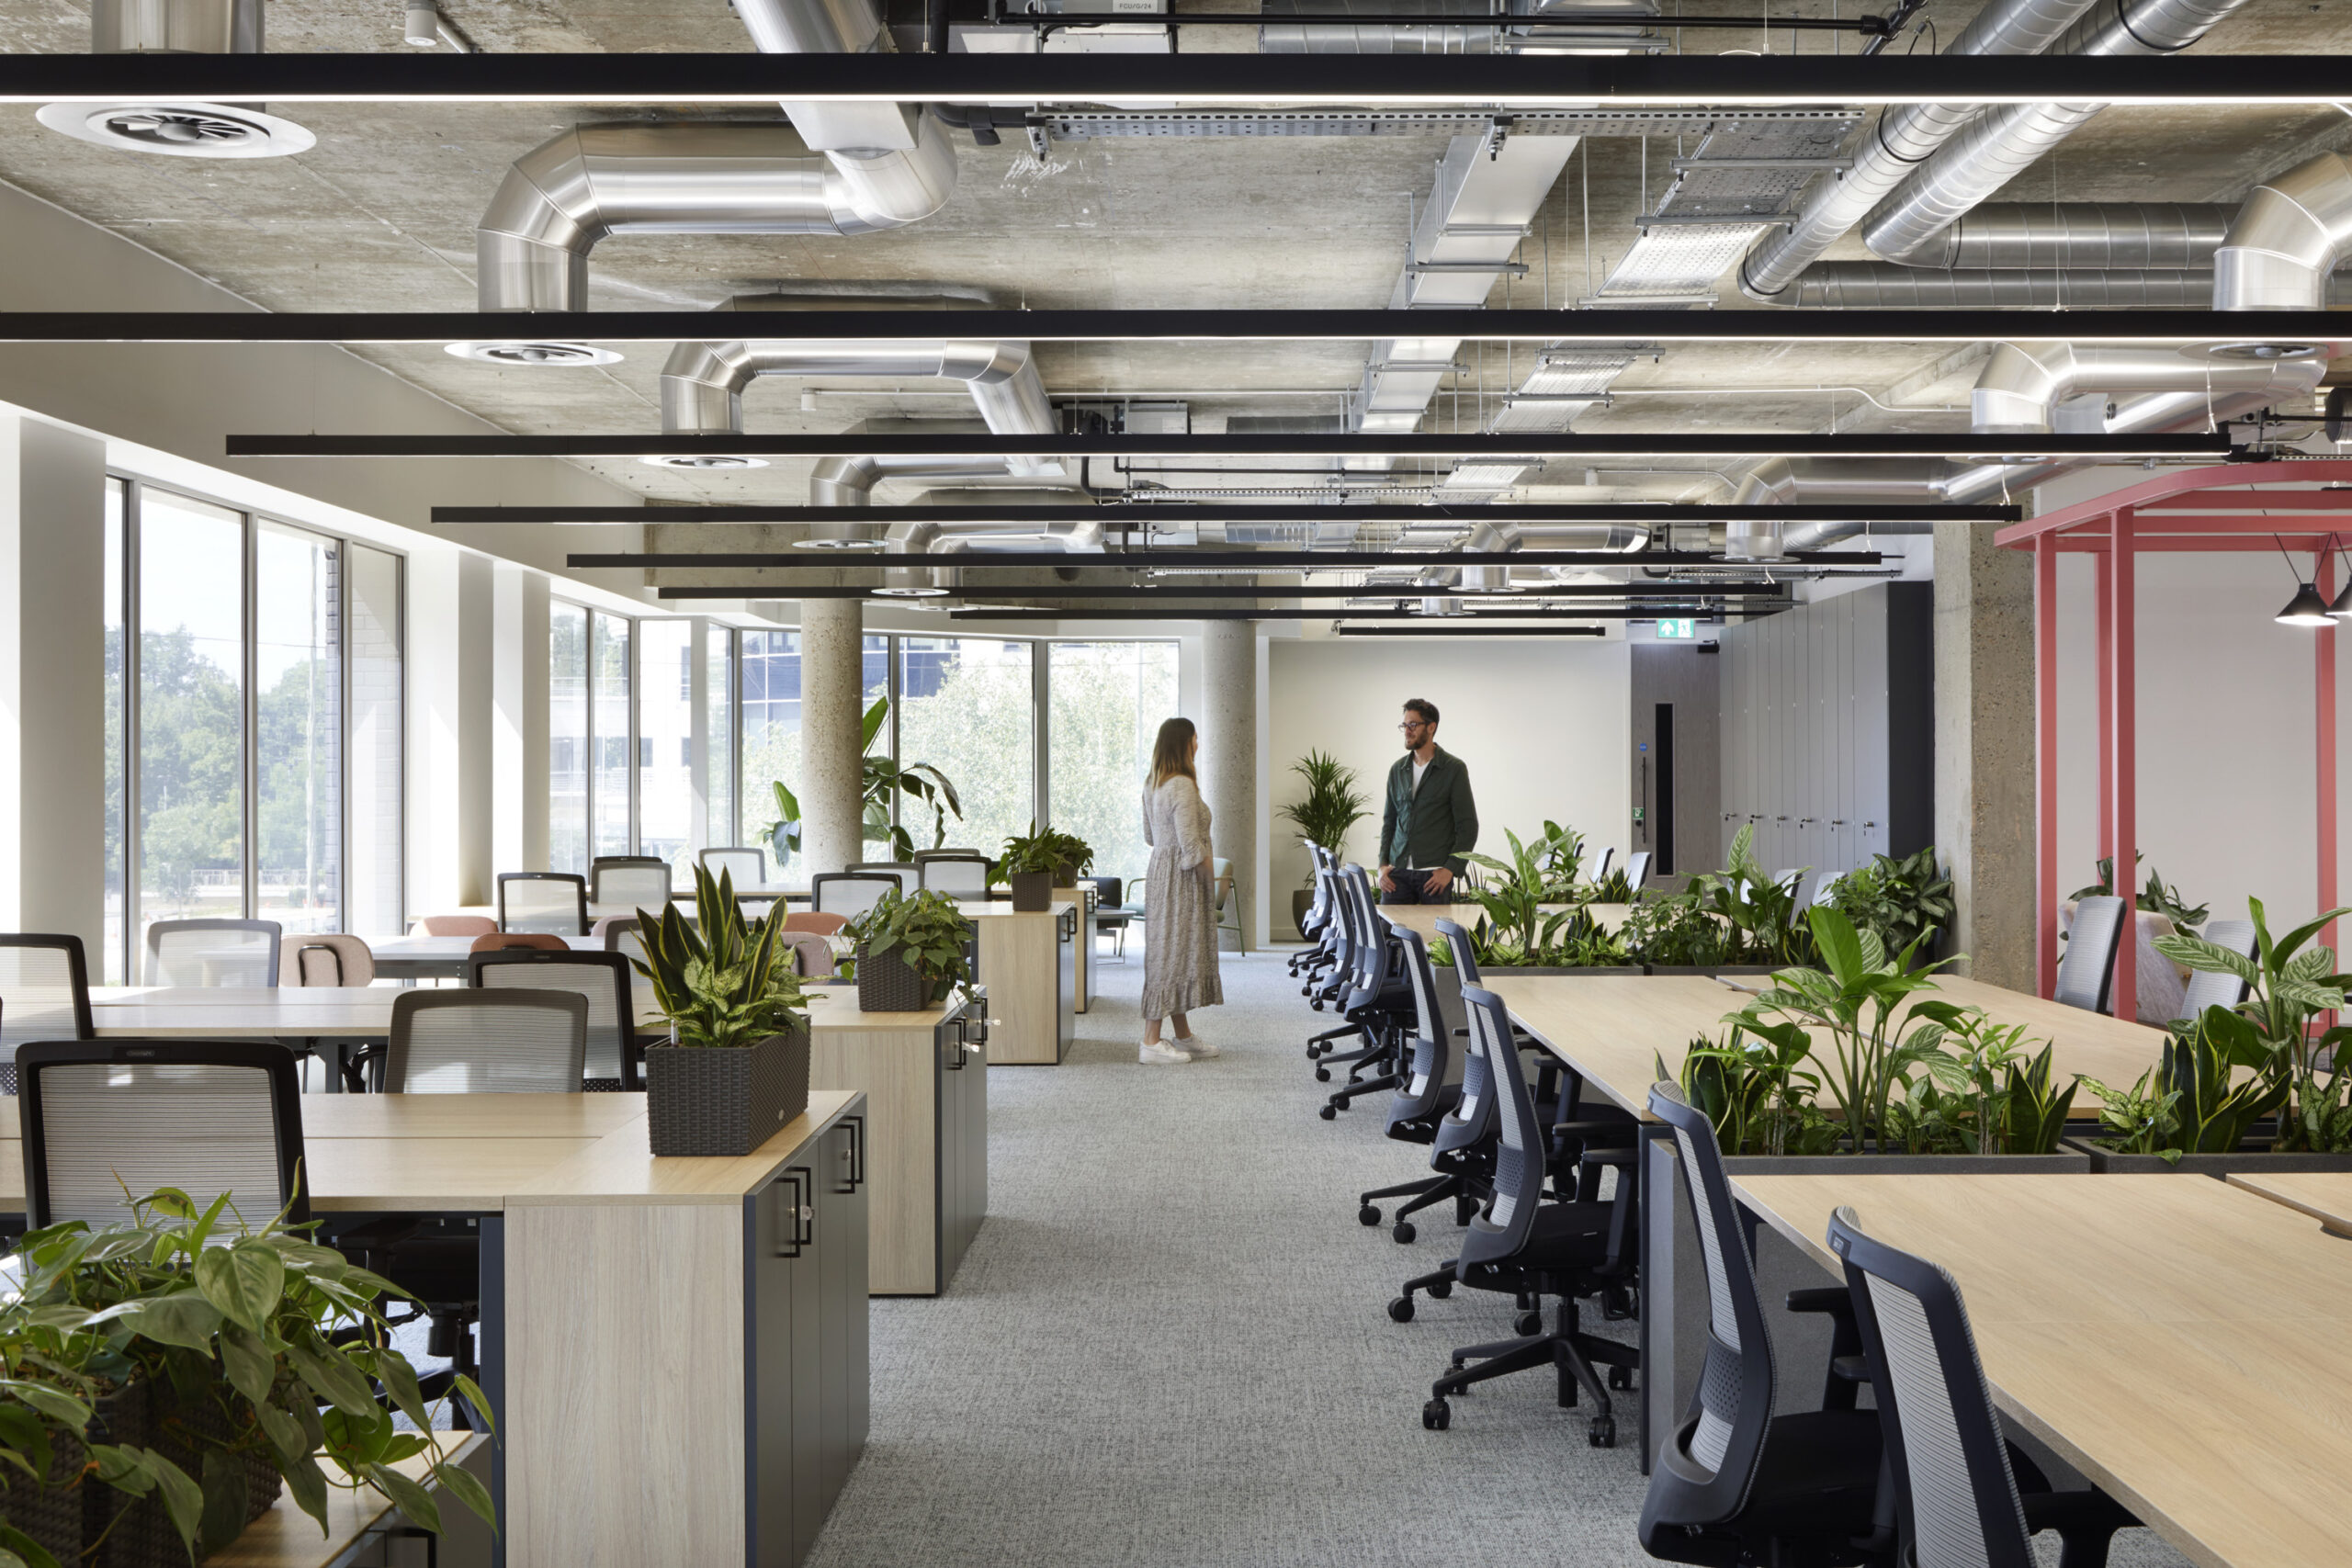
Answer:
(1250, 591)
(1038, 617)
(1263, 512)
(1500, 81)
(1190, 560)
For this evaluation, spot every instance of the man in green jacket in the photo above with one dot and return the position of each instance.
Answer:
(1430, 822)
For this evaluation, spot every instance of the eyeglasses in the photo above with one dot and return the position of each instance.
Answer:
(1410, 724)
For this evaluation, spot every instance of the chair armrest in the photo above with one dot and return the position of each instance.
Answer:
(1622, 1133)
(1622, 1159)
(1835, 1299)
(1850, 1369)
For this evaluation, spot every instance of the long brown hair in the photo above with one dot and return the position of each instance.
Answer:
(1172, 753)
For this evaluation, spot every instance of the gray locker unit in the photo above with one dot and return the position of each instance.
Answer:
(1828, 730)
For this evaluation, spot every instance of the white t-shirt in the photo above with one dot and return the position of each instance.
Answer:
(1419, 768)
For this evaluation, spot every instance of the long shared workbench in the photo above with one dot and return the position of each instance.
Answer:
(2178, 1340)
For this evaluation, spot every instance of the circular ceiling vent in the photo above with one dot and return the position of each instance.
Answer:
(911, 592)
(180, 130)
(704, 460)
(2262, 351)
(838, 544)
(547, 355)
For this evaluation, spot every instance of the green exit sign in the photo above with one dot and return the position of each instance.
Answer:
(1685, 628)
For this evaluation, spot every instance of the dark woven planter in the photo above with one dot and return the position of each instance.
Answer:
(887, 983)
(137, 1532)
(62, 1517)
(1033, 891)
(183, 1434)
(713, 1102)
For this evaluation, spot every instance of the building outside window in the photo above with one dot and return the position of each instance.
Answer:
(1106, 705)
(665, 729)
(967, 706)
(567, 738)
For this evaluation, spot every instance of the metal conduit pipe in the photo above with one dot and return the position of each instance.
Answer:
(2106, 235)
(1996, 146)
(2287, 240)
(1896, 143)
(2023, 383)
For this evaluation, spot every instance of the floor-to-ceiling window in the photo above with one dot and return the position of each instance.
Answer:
(665, 742)
(111, 962)
(770, 719)
(1107, 700)
(373, 638)
(967, 706)
(718, 703)
(608, 739)
(191, 690)
(567, 738)
(297, 737)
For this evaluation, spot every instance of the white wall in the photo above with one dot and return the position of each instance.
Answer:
(1544, 726)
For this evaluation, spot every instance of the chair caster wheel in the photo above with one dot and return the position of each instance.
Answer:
(1528, 1323)
(1404, 1232)
(1442, 1289)
(1436, 1416)
(1620, 1377)
(1603, 1432)
(1322, 1075)
(1330, 1113)
(1401, 1309)
(1368, 1215)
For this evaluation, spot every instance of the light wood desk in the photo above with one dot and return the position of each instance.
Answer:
(1025, 964)
(267, 1012)
(288, 1537)
(2181, 1343)
(2324, 1195)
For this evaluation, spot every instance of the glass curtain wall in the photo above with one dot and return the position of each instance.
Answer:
(1107, 702)
(967, 706)
(608, 718)
(718, 702)
(567, 738)
(665, 744)
(110, 964)
(770, 745)
(298, 710)
(373, 630)
(191, 690)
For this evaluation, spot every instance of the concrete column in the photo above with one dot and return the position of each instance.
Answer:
(519, 720)
(1228, 762)
(1984, 740)
(52, 685)
(832, 693)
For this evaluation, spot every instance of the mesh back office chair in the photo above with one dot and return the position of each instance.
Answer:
(1378, 1002)
(2087, 970)
(1465, 1144)
(457, 925)
(44, 995)
(747, 864)
(1316, 922)
(906, 874)
(2206, 989)
(487, 1042)
(213, 953)
(1228, 903)
(550, 901)
(1597, 872)
(960, 874)
(325, 959)
(1417, 1113)
(1112, 915)
(1522, 1245)
(602, 978)
(1824, 890)
(205, 1116)
(850, 893)
(1733, 1483)
(1955, 1479)
(641, 882)
(1638, 871)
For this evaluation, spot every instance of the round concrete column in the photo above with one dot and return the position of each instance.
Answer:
(832, 690)
(1228, 762)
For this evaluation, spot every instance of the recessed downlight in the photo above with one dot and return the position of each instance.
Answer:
(838, 544)
(705, 461)
(180, 130)
(533, 354)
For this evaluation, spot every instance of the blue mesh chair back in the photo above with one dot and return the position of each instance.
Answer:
(487, 1042)
(1343, 913)
(1715, 1454)
(44, 991)
(1431, 1052)
(850, 893)
(213, 953)
(1637, 870)
(1955, 1494)
(746, 863)
(2087, 970)
(554, 903)
(1465, 963)
(2209, 989)
(602, 978)
(960, 874)
(1598, 871)
(1522, 1140)
(1318, 909)
(1472, 1120)
(103, 1119)
(640, 882)
(1376, 964)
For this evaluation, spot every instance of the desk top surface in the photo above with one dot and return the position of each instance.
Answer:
(2324, 1195)
(507, 1117)
(288, 1537)
(2179, 1341)
(997, 908)
(1613, 1028)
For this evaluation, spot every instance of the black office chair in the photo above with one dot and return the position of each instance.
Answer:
(2087, 970)
(1597, 872)
(1316, 965)
(1378, 1002)
(1582, 1247)
(604, 979)
(849, 893)
(213, 953)
(1735, 1484)
(1330, 987)
(44, 995)
(101, 1118)
(1112, 915)
(641, 882)
(554, 903)
(1962, 1493)
(1417, 1113)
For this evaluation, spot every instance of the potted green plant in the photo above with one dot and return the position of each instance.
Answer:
(909, 950)
(1036, 862)
(881, 783)
(735, 1068)
(1755, 919)
(1905, 903)
(166, 1378)
(1331, 806)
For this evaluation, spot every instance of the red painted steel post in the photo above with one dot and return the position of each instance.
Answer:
(2045, 661)
(2323, 732)
(2103, 590)
(2122, 751)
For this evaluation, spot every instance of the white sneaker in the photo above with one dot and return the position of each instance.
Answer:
(1154, 1054)
(1198, 1049)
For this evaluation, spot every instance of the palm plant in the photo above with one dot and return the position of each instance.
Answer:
(881, 784)
(1331, 805)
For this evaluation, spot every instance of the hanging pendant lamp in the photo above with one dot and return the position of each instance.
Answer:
(2306, 608)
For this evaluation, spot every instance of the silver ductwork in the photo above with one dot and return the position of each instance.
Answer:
(1996, 146)
(1896, 143)
(2023, 383)
(1501, 536)
(1847, 482)
(2078, 235)
(175, 27)
(2287, 240)
(896, 164)
(702, 385)
(1854, 285)
(850, 481)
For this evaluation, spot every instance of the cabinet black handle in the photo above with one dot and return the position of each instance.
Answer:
(854, 1157)
(797, 1217)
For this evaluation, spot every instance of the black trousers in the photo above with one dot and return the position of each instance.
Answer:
(1413, 887)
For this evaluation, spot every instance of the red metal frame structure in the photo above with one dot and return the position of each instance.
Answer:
(2241, 506)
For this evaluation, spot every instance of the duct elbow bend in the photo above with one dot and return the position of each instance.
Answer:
(2287, 240)
(873, 189)
(702, 389)
(2019, 385)
(843, 481)
(531, 247)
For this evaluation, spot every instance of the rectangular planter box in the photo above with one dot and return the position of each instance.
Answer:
(2219, 1167)
(889, 983)
(1712, 969)
(2062, 1163)
(726, 1103)
(1033, 891)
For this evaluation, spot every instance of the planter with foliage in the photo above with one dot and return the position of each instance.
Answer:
(1323, 816)
(1036, 862)
(1737, 920)
(162, 1379)
(735, 1069)
(881, 784)
(1904, 903)
(911, 952)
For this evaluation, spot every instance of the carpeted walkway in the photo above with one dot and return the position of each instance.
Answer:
(1169, 1346)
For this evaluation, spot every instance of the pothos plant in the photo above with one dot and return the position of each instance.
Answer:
(880, 783)
(926, 929)
(721, 981)
(282, 1336)
(2288, 985)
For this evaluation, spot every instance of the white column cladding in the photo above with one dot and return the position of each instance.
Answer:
(698, 732)
(53, 683)
(519, 726)
(832, 690)
(450, 674)
(1228, 762)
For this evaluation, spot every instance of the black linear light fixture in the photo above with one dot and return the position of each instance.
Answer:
(1111, 514)
(1242, 591)
(1203, 80)
(1530, 448)
(1476, 631)
(1034, 617)
(1191, 561)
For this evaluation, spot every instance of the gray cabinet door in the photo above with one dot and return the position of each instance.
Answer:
(810, 1500)
(774, 1532)
(842, 1244)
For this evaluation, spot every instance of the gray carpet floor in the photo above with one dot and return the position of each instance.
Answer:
(1169, 1344)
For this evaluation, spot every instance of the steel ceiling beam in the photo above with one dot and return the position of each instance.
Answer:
(1114, 513)
(1143, 560)
(1244, 591)
(1039, 617)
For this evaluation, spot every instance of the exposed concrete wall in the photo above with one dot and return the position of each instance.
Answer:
(1228, 762)
(832, 690)
(1985, 749)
